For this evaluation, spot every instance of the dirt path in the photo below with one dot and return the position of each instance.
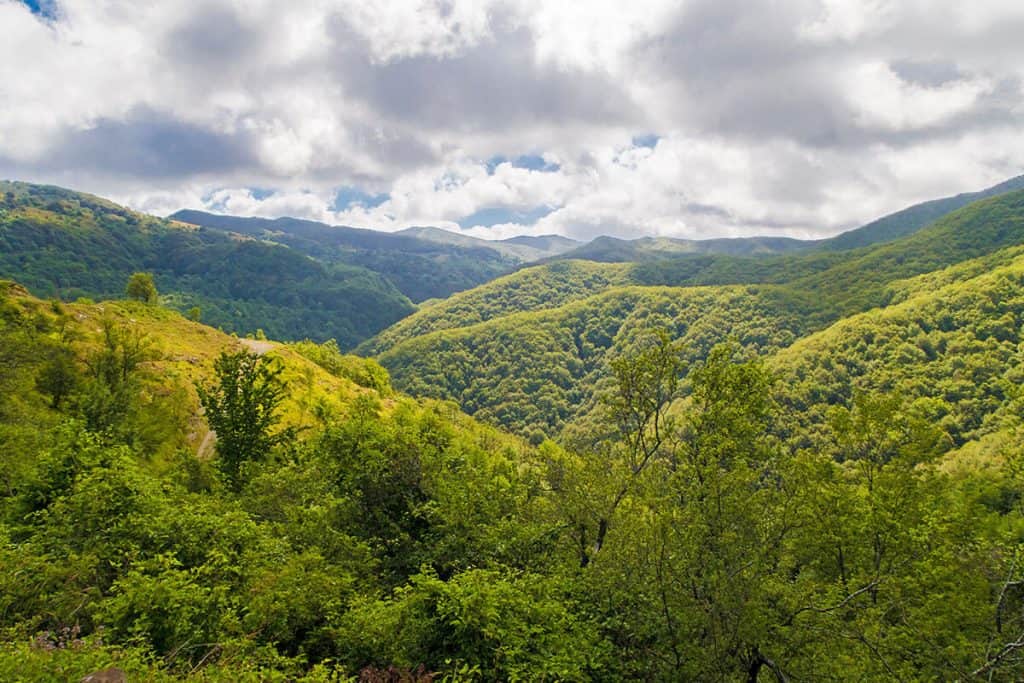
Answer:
(206, 446)
(256, 346)
(205, 450)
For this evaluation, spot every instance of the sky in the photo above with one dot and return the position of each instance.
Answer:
(683, 118)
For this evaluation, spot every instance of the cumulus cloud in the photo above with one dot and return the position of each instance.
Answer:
(701, 118)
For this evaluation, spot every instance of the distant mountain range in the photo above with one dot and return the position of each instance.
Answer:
(885, 229)
(297, 278)
(526, 248)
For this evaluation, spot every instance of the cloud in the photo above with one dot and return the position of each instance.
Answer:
(700, 118)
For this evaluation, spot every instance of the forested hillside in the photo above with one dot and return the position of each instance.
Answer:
(850, 280)
(62, 243)
(421, 268)
(486, 366)
(913, 218)
(533, 372)
(529, 289)
(847, 509)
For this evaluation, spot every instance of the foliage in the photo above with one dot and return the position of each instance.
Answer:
(536, 372)
(242, 410)
(420, 269)
(69, 245)
(530, 289)
(365, 372)
(141, 287)
(803, 501)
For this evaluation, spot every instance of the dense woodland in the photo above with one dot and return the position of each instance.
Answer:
(485, 348)
(810, 471)
(420, 268)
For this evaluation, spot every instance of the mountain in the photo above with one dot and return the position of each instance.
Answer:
(421, 268)
(948, 343)
(615, 250)
(529, 289)
(535, 372)
(914, 218)
(66, 244)
(853, 279)
(530, 351)
(552, 244)
(885, 229)
(526, 248)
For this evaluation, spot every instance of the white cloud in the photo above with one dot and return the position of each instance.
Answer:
(881, 98)
(800, 117)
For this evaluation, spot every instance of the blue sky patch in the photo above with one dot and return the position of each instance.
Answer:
(347, 197)
(46, 9)
(646, 140)
(497, 215)
(533, 162)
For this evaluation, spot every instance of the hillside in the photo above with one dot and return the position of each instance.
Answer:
(529, 289)
(110, 494)
(418, 262)
(842, 282)
(534, 372)
(529, 372)
(951, 348)
(388, 537)
(912, 219)
(66, 244)
(173, 354)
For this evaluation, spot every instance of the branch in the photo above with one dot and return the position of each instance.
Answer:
(839, 605)
(1005, 652)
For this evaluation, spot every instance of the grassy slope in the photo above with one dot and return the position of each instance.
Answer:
(182, 353)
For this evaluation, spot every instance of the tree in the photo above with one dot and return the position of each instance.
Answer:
(141, 287)
(241, 408)
(646, 382)
(58, 377)
(110, 374)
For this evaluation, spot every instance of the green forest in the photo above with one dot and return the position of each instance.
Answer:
(798, 467)
(534, 362)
